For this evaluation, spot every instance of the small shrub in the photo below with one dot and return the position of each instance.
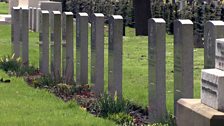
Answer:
(122, 119)
(14, 67)
(108, 105)
(10, 63)
(158, 124)
(82, 89)
(24, 70)
(64, 89)
(44, 81)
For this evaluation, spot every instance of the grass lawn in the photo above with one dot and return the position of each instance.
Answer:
(21, 105)
(3, 8)
(43, 107)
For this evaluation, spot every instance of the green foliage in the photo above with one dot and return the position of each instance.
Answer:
(44, 81)
(9, 63)
(3, 7)
(14, 66)
(108, 105)
(159, 124)
(122, 119)
(107, 7)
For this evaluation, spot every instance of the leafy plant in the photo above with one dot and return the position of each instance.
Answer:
(10, 63)
(158, 124)
(122, 119)
(14, 67)
(44, 81)
(109, 105)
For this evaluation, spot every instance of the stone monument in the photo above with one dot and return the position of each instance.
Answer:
(209, 111)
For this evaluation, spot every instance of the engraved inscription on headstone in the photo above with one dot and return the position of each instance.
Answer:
(157, 69)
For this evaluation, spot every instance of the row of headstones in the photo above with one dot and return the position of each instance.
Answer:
(34, 13)
(183, 65)
(57, 41)
(183, 53)
(183, 61)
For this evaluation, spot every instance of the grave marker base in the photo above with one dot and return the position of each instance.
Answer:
(191, 112)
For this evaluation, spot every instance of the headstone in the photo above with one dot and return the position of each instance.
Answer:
(68, 48)
(212, 84)
(29, 3)
(142, 12)
(24, 3)
(34, 18)
(182, 4)
(30, 17)
(56, 46)
(97, 53)
(212, 88)
(51, 6)
(213, 30)
(16, 31)
(157, 69)
(44, 42)
(183, 60)
(38, 19)
(115, 56)
(82, 48)
(25, 36)
(219, 56)
(12, 3)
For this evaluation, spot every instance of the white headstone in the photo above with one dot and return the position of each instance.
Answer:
(212, 89)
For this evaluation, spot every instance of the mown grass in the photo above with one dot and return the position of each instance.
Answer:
(135, 67)
(21, 105)
(3, 8)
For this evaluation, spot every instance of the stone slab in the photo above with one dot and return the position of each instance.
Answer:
(191, 112)
(5, 19)
(212, 88)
